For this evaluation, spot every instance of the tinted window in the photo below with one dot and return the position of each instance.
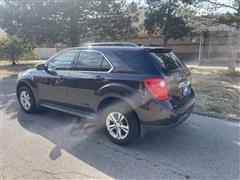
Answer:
(105, 66)
(169, 61)
(140, 61)
(63, 61)
(92, 61)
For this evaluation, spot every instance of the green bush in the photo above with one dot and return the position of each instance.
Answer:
(31, 55)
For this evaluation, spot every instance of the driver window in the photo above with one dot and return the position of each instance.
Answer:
(64, 61)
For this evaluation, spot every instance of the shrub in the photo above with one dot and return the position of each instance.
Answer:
(13, 48)
(31, 55)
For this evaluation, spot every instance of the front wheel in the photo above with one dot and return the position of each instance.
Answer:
(26, 100)
(121, 124)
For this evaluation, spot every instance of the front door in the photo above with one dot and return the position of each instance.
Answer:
(51, 84)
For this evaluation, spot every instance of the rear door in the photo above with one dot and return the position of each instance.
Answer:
(90, 72)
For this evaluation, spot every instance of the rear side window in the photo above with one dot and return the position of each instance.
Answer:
(140, 61)
(92, 61)
(169, 61)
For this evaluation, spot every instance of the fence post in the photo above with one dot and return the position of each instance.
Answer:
(200, 47)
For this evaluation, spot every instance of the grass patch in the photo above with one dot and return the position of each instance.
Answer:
(216, 91)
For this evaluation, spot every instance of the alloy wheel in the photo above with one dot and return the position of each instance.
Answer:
(117, 125)
(25, 100)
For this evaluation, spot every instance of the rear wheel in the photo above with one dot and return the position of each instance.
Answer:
(121, 123)
(26, 99)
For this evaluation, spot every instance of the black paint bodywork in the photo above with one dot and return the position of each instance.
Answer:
(82, 92)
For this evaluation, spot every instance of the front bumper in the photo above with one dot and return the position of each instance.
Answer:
(163, 114)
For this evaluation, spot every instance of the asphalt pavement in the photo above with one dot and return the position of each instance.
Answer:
(55, 145)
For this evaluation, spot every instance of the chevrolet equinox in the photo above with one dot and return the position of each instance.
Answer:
(124, 86)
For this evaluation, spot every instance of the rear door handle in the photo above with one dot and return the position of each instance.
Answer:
(100, 78)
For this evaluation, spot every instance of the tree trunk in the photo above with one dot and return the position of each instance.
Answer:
(232, 64)
(165, 40)
(13, 62)
(13, 59)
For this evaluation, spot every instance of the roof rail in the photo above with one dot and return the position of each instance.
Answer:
(127, 44)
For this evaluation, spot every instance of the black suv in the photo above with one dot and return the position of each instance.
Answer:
(123, 86)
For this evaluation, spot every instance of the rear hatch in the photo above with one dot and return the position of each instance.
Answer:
(161, 62)
(176, 74)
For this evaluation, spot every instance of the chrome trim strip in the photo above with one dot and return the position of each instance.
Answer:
(79, 51)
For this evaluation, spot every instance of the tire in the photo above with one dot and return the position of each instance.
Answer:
(26, 100)
(121, 124)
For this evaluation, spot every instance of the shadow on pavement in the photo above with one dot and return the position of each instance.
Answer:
(192, 150)
(173, 149)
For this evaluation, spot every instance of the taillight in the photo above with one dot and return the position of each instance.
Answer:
(157, 87)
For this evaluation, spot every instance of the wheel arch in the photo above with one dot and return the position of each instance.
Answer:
(25, 83)
(21, 84)
(122, 92)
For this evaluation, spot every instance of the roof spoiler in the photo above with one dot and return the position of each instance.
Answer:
(124, 44)
(158, 50)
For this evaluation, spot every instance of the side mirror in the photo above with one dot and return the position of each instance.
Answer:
(45, 68)
(42, 67)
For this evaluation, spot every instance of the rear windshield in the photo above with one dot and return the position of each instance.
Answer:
(150, 62)
(169, 61)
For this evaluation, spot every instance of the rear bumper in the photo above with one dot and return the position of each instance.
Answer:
(163, 114)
